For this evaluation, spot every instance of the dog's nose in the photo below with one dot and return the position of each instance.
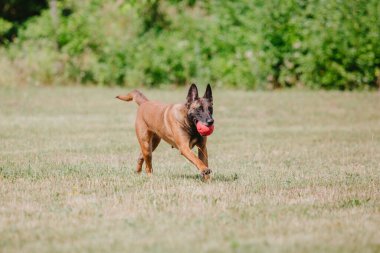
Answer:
(209, 121)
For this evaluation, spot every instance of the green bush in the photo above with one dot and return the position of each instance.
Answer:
(342, 45)
(247, 44)
(5, 26)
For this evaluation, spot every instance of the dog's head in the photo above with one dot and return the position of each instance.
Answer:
(200, 109)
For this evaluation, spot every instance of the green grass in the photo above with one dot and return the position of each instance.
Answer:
(293, 172)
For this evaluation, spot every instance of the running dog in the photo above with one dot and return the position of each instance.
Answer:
(183, 126)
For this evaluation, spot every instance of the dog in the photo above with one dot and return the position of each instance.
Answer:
(180, 125)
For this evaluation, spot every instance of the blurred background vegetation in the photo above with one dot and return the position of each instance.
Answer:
(253, 44)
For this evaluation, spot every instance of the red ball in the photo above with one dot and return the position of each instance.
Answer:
(204, 130)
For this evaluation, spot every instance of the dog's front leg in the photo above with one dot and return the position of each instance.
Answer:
(202, 151)
(202, 154)
(202, 167)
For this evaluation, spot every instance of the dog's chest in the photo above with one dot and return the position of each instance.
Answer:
(194, 141)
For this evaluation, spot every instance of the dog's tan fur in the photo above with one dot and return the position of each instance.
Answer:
(170, 122)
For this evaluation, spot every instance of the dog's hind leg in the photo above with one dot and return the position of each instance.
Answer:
(146, 151)
(144, 137)
(155, 141)
(140, 161)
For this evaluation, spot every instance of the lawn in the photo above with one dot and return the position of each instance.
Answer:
(294, 171)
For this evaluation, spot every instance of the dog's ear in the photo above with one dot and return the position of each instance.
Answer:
(208, 93)
(192, 95)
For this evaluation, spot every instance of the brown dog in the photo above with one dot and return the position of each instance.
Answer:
(174, 123)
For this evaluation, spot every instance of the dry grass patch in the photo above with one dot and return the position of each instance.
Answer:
(294, 172)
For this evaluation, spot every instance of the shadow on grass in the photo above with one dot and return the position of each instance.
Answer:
(215, 177)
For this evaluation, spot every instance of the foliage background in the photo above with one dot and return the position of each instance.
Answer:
(254, 44)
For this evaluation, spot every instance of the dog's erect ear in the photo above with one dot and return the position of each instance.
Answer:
(208, 92)
(193, 94)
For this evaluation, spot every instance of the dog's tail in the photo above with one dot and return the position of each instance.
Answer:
(135, 95)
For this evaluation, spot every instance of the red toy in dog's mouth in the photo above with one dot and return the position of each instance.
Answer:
(204, 130)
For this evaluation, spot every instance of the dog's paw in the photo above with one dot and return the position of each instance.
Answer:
(206, 172)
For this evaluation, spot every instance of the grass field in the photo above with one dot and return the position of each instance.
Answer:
(293, 172)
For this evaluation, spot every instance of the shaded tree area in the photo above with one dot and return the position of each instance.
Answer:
(253, 44)
(15, 12)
